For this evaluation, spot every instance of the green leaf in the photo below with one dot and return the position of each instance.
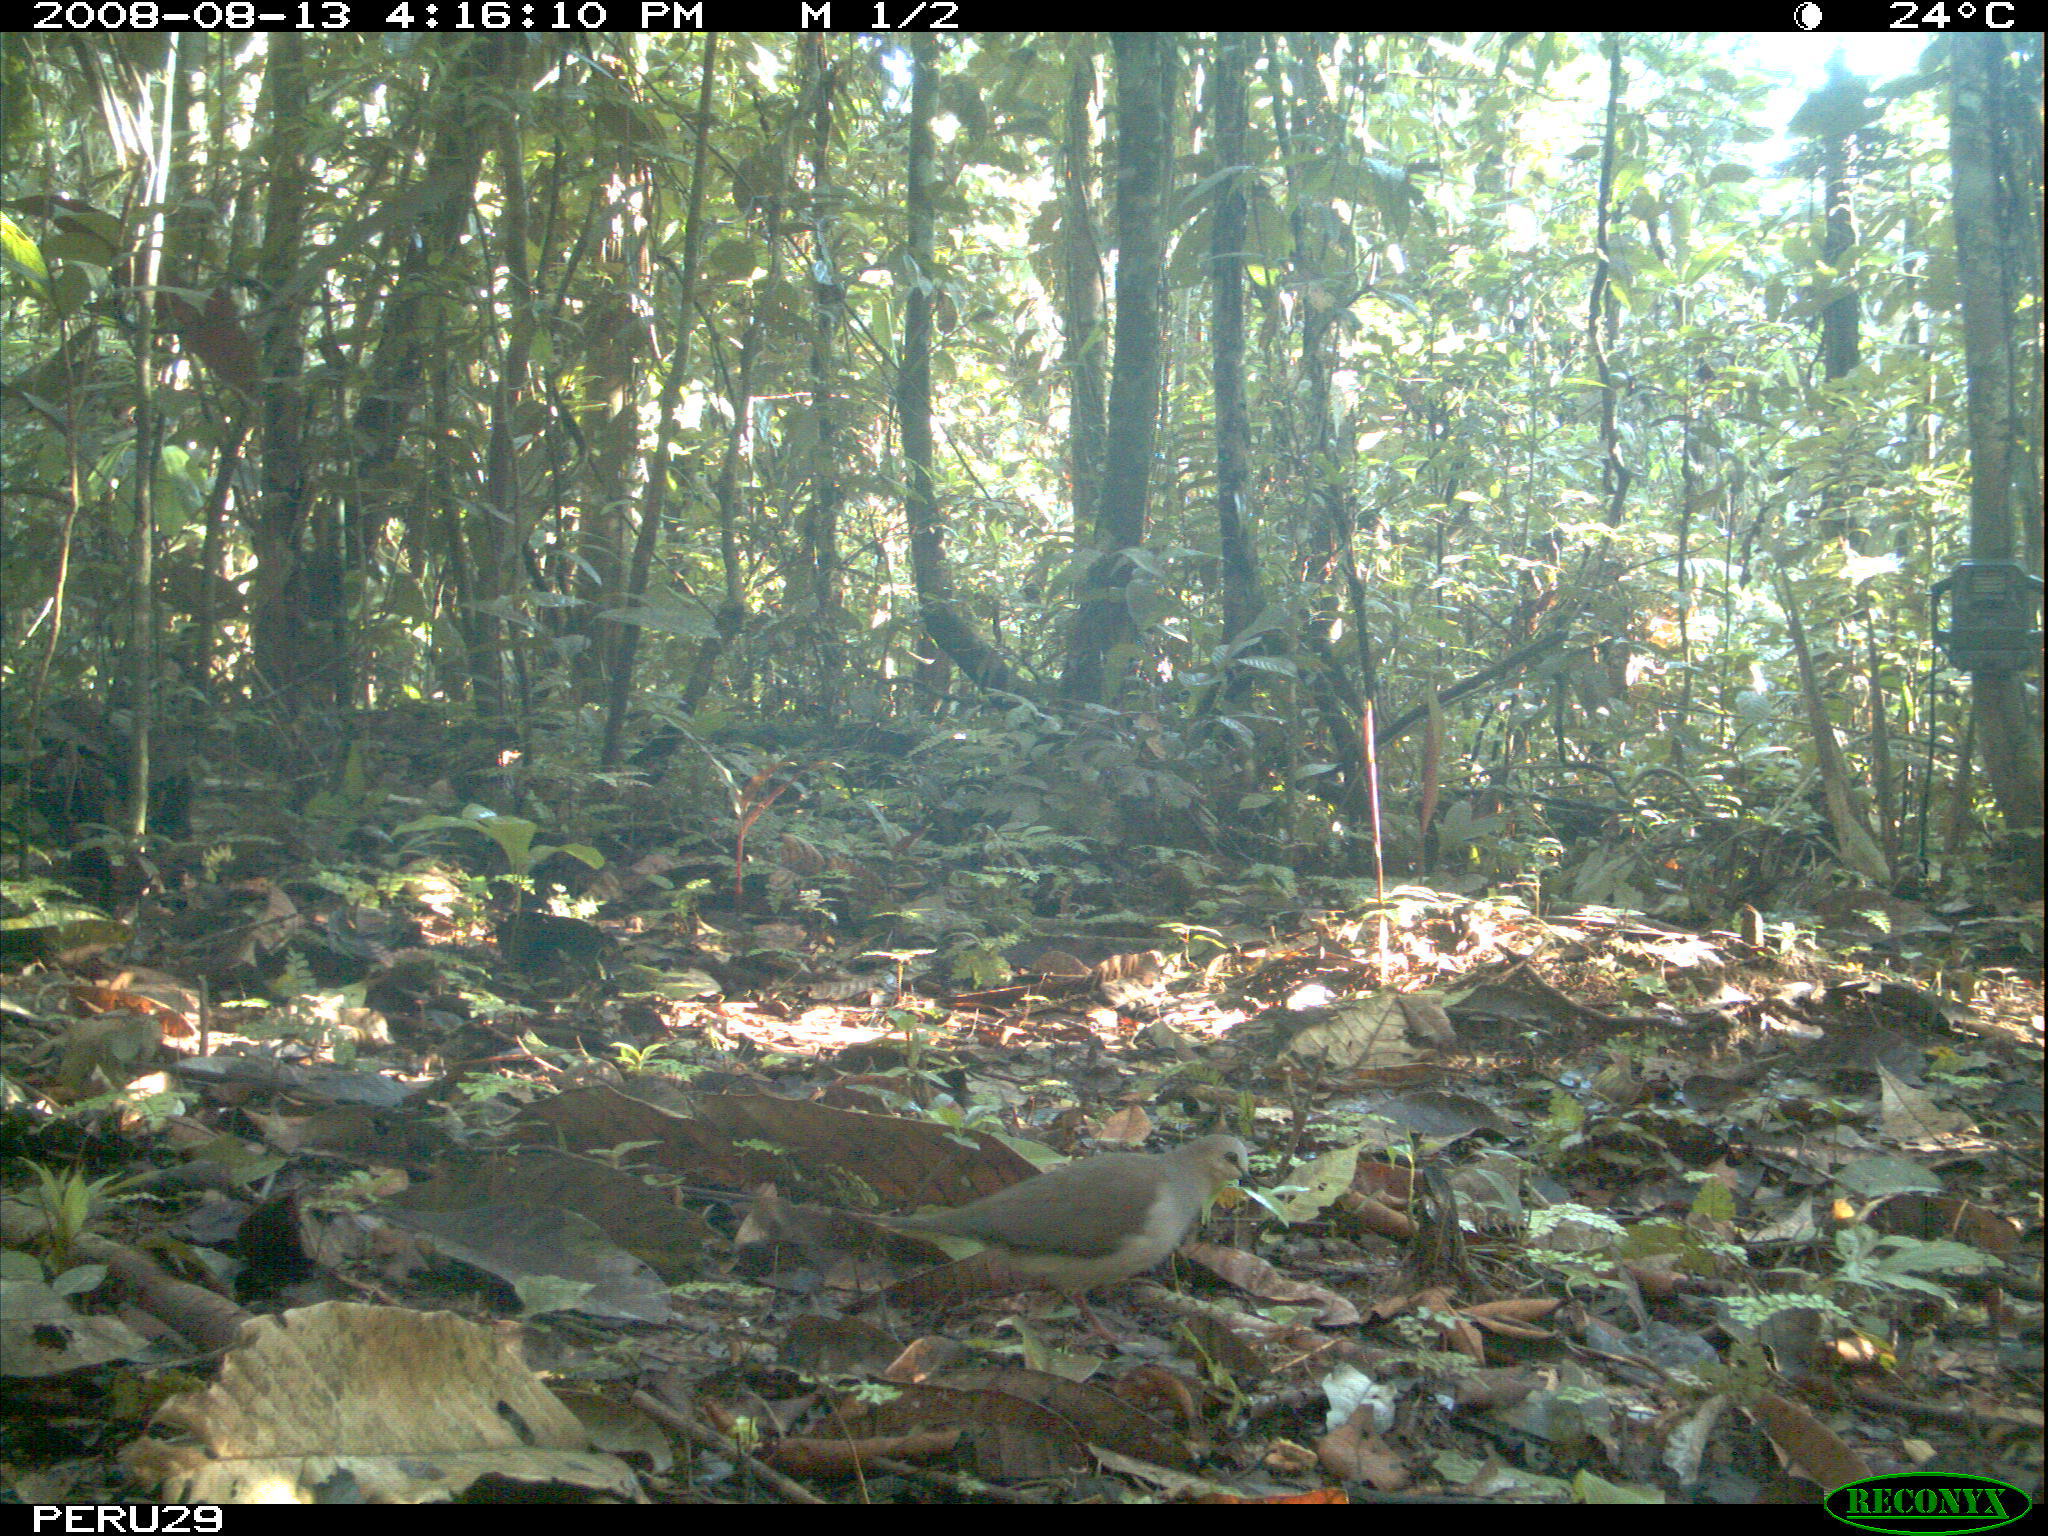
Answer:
(19, 253)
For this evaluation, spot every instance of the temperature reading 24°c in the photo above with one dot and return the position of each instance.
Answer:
(1913, 16)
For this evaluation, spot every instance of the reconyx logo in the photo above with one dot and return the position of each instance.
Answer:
(1927, 1504)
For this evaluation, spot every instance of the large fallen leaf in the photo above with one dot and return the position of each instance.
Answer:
(344, 1403)
(42, 1334)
